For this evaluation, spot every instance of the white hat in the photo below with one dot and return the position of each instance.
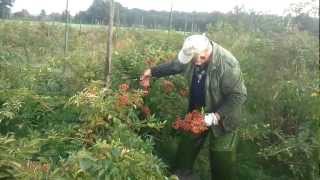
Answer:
(192, 46)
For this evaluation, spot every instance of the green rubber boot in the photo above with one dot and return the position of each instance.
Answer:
(188, 149)
(223, 156)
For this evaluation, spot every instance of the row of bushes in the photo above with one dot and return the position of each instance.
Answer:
(55, 112)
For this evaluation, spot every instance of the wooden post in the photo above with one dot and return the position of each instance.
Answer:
(185, 25)
(66, 33)
(108, 64)
(170, 18)
(154, 23)
(118, 22)
(192, 24)
(142, 22)
(80, 24)
(118, 15)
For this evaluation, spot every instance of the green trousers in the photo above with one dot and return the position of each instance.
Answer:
(222, 154)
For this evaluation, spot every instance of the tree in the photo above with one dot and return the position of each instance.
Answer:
(5, 6)
(305, 16)
(23, 14)
(56, 17)
(240, 18)
(43, 15)
(98, 11)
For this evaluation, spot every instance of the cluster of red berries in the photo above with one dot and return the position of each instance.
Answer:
(123, 98)
(146, 111)
(184, 92)
(124, 87)
(168, 86)
(193, 123)
(150, 62)
(36, 167)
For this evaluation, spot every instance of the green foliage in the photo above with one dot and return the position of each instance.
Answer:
(58, 122)
(111, 161)
(282, 111)
(9, 109)
(13, 158)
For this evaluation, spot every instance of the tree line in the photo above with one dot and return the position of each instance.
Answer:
(299, 17)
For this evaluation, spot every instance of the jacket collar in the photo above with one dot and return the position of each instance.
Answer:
(214, 62)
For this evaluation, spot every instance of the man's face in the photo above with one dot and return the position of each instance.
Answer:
(201, 58)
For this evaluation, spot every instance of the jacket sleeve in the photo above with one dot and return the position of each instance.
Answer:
(234, 95)
(169, 68)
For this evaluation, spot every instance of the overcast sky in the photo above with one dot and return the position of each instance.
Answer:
(265, 6)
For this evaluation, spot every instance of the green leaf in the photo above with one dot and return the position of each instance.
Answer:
(86, 164)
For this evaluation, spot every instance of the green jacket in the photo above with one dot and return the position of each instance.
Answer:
(225, 91)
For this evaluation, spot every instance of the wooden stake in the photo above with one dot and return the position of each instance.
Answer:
(108, 63)
(66, 33)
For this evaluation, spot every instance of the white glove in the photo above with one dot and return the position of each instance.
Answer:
(211, 119)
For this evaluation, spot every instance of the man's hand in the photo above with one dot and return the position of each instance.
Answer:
(145, 78)
(211, 119)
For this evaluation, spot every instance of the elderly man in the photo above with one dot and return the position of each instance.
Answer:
(216, 85)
